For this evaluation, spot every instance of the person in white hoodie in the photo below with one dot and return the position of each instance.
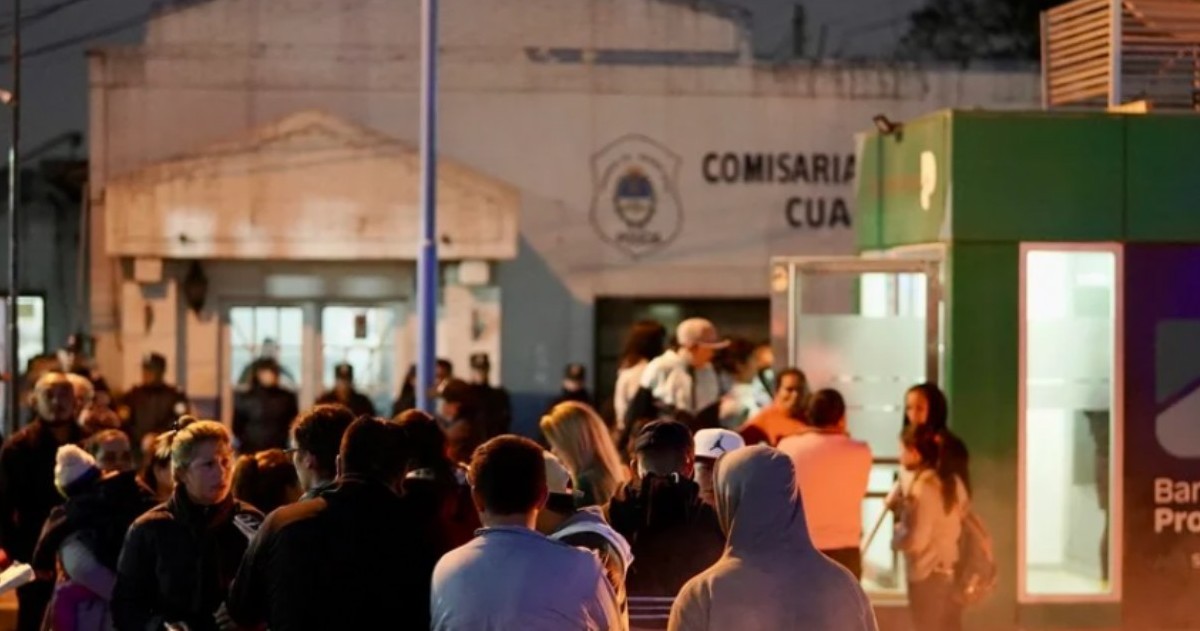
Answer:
(771, 576)
(584, 528)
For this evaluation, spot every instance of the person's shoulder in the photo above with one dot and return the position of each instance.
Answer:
(159, 516)
(23, 438)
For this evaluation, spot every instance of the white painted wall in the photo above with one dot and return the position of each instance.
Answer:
(536, 126)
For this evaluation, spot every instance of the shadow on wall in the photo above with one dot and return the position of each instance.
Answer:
(538, 334)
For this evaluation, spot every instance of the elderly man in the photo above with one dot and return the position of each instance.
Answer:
(27, 490)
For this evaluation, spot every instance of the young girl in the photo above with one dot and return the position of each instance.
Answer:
(929, 522)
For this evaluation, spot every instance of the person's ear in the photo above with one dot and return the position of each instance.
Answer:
(477, 500)
(340, 466)
(689, 466)
(543, 497)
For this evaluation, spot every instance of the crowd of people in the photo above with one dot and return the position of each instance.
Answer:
(713, 493)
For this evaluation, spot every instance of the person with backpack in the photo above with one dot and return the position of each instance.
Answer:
(929, 526)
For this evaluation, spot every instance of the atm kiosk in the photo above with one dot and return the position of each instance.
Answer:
(1044, 269)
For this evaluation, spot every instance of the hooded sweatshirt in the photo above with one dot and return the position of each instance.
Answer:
(771, 576)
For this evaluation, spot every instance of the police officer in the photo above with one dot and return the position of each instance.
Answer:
(343, 392)
(495, 402)
(154, 405)
(75, 357)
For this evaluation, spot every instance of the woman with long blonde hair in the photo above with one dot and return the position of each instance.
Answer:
(578, 436)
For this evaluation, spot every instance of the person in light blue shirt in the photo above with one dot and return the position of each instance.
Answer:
(510, 576)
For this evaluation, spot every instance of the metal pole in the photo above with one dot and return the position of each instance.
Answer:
(14, 200)
(427, 266)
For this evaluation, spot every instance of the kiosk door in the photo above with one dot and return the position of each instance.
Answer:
(869, 328)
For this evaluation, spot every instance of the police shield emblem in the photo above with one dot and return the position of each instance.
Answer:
(636, 205)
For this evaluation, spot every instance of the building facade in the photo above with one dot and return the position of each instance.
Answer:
(599, 159)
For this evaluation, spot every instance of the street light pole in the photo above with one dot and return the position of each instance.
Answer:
(427, 265)
(14, 200)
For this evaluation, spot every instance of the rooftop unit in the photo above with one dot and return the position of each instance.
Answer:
(1122, 53)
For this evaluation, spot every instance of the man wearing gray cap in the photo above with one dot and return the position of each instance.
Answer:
(692, 385)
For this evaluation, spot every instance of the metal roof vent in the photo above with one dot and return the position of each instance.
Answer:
(1128, 54)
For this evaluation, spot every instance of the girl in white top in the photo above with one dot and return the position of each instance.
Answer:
(928, 525)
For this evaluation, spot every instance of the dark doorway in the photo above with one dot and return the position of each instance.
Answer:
(748, 318)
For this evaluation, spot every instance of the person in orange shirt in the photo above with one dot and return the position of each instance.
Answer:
(785, 416)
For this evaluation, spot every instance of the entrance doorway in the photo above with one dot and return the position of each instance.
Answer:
(308, 339)
(745, 318)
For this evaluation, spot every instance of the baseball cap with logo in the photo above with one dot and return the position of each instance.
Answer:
(698, 332)
(714, 443)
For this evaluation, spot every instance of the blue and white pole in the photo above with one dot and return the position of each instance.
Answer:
(427, 265)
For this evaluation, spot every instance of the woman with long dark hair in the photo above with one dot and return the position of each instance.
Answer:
(929, 524)
(647, 340)
(925, 404)
(436, 485)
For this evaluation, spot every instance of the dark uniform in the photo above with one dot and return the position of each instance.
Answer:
(154, 406)
(358, 402)
(494, 402)
(151, 408)
(262, 418)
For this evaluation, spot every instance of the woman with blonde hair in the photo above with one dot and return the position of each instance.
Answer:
(578, 436)
(180, 557)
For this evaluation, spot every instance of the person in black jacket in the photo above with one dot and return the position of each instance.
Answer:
(27, 490)
(494, 403)
(354, 558)
(673, 533)
(180, 557)
(263, 415)
(153, 406)
(343, 393)
(82, 539)
(436, 486)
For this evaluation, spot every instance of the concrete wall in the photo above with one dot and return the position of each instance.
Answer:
(562, 126)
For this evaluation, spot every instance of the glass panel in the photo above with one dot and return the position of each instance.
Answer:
(1070, 328)
(365, 338)
(262, 332)
(864, 335)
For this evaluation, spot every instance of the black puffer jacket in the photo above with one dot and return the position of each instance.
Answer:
(103, 511)
(178, 561)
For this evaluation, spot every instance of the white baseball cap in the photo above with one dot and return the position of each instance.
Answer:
(558, 479)
(714, 443)
(698, 332)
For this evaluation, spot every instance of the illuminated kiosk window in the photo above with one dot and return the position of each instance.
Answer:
(1068, 461)
(31, 328)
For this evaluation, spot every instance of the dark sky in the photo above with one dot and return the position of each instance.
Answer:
(59, 32)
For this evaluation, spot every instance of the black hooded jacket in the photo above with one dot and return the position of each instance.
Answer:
(102, 513)
(673, 533)
(178, 561)
(356, 557)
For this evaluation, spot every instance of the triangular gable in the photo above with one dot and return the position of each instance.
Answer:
(308, 186)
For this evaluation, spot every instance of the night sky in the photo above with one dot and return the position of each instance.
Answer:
(59, 32)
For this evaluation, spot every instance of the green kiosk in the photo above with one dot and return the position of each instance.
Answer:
(1043, 269)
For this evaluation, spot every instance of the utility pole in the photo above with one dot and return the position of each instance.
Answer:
(427, 265)
(12, 337)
